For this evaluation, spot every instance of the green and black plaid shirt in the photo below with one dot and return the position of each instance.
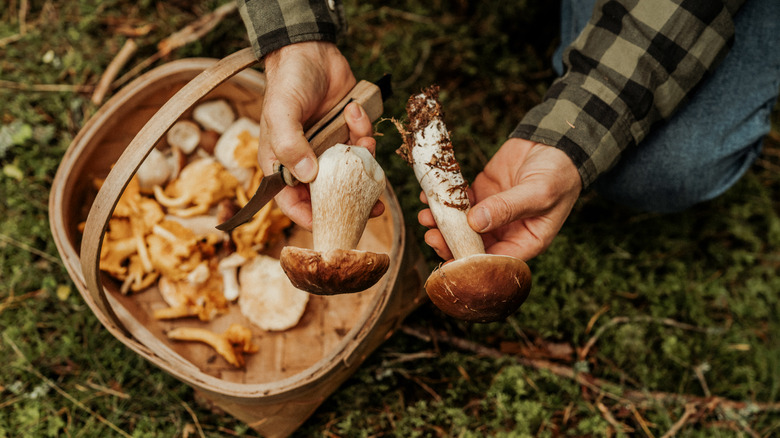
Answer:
(272, 24)
(630, 68)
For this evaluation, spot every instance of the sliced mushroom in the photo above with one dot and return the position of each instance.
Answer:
(237, 148)
(268, 299)
(345, 190)
(474, 286)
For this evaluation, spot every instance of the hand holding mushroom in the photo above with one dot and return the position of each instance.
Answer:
(521, 199)
(475, 286)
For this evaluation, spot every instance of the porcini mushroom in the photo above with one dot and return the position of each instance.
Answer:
(346, 188)
(474, 286)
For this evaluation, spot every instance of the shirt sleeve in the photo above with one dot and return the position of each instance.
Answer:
(272, 24)
(631, 67)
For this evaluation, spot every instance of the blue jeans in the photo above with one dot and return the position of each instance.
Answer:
(713, 139)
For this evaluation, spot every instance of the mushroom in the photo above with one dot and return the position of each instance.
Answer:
(175, 251)
(228, 267)
(184, 135)
(137, 278)
(134, 218)
(235, 340)
(155, 170)
(267, 298)
(346, 188)
(237, 147)
(474, 286)
(214, 115)
(208, 141)
(256, 234)
(201, 225)
(184, 298)
(201, 184)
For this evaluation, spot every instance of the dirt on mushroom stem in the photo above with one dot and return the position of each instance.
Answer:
(424, 109)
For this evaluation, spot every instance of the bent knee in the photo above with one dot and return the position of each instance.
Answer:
(673, 187)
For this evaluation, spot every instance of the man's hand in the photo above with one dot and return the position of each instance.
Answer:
(523, 197)
(304, 81)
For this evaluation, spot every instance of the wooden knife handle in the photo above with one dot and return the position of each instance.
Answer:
(332, 129)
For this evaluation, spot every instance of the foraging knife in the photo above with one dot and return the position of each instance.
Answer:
(328, 131)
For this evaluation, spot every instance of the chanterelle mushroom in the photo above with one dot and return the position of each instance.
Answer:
(346, 188)
(475, 286)
(202, 184)
(235, 340)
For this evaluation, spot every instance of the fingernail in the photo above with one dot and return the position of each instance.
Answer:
(355, 111)
(305, 170)
(480, 219)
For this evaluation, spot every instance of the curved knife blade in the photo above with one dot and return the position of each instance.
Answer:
(269, 186)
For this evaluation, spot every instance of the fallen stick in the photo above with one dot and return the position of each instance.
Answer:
(192, 32)
(55, 88)
(634, 397)
(116, 64)
(678, 425)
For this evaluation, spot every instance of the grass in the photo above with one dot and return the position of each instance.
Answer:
(664, 323)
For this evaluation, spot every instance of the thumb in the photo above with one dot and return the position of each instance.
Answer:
(285, 138)
(504, 207)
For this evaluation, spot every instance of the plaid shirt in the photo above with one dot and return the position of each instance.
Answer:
(272, 24)
(632, 66)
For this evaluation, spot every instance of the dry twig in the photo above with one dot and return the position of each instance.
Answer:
(116, 64)
(25, 247)
(690, 409)
(180, 38)
(54, 88)
(631, 398)
(61, 391)
(624, 319)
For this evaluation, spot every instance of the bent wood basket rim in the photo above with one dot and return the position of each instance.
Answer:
(83, 265)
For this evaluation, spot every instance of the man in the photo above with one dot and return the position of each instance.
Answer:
(660, 105)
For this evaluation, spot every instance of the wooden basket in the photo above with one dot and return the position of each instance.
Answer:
(295, 370)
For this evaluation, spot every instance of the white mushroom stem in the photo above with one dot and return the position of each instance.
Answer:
(347, 186)
(434, 165)
(228, 267)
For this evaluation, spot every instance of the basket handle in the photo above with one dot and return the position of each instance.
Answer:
(129, 162)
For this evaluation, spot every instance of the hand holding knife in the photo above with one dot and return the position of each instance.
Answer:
(328, 131)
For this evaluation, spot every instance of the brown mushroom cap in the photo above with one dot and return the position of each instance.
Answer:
(337, 271)
(480, 288)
